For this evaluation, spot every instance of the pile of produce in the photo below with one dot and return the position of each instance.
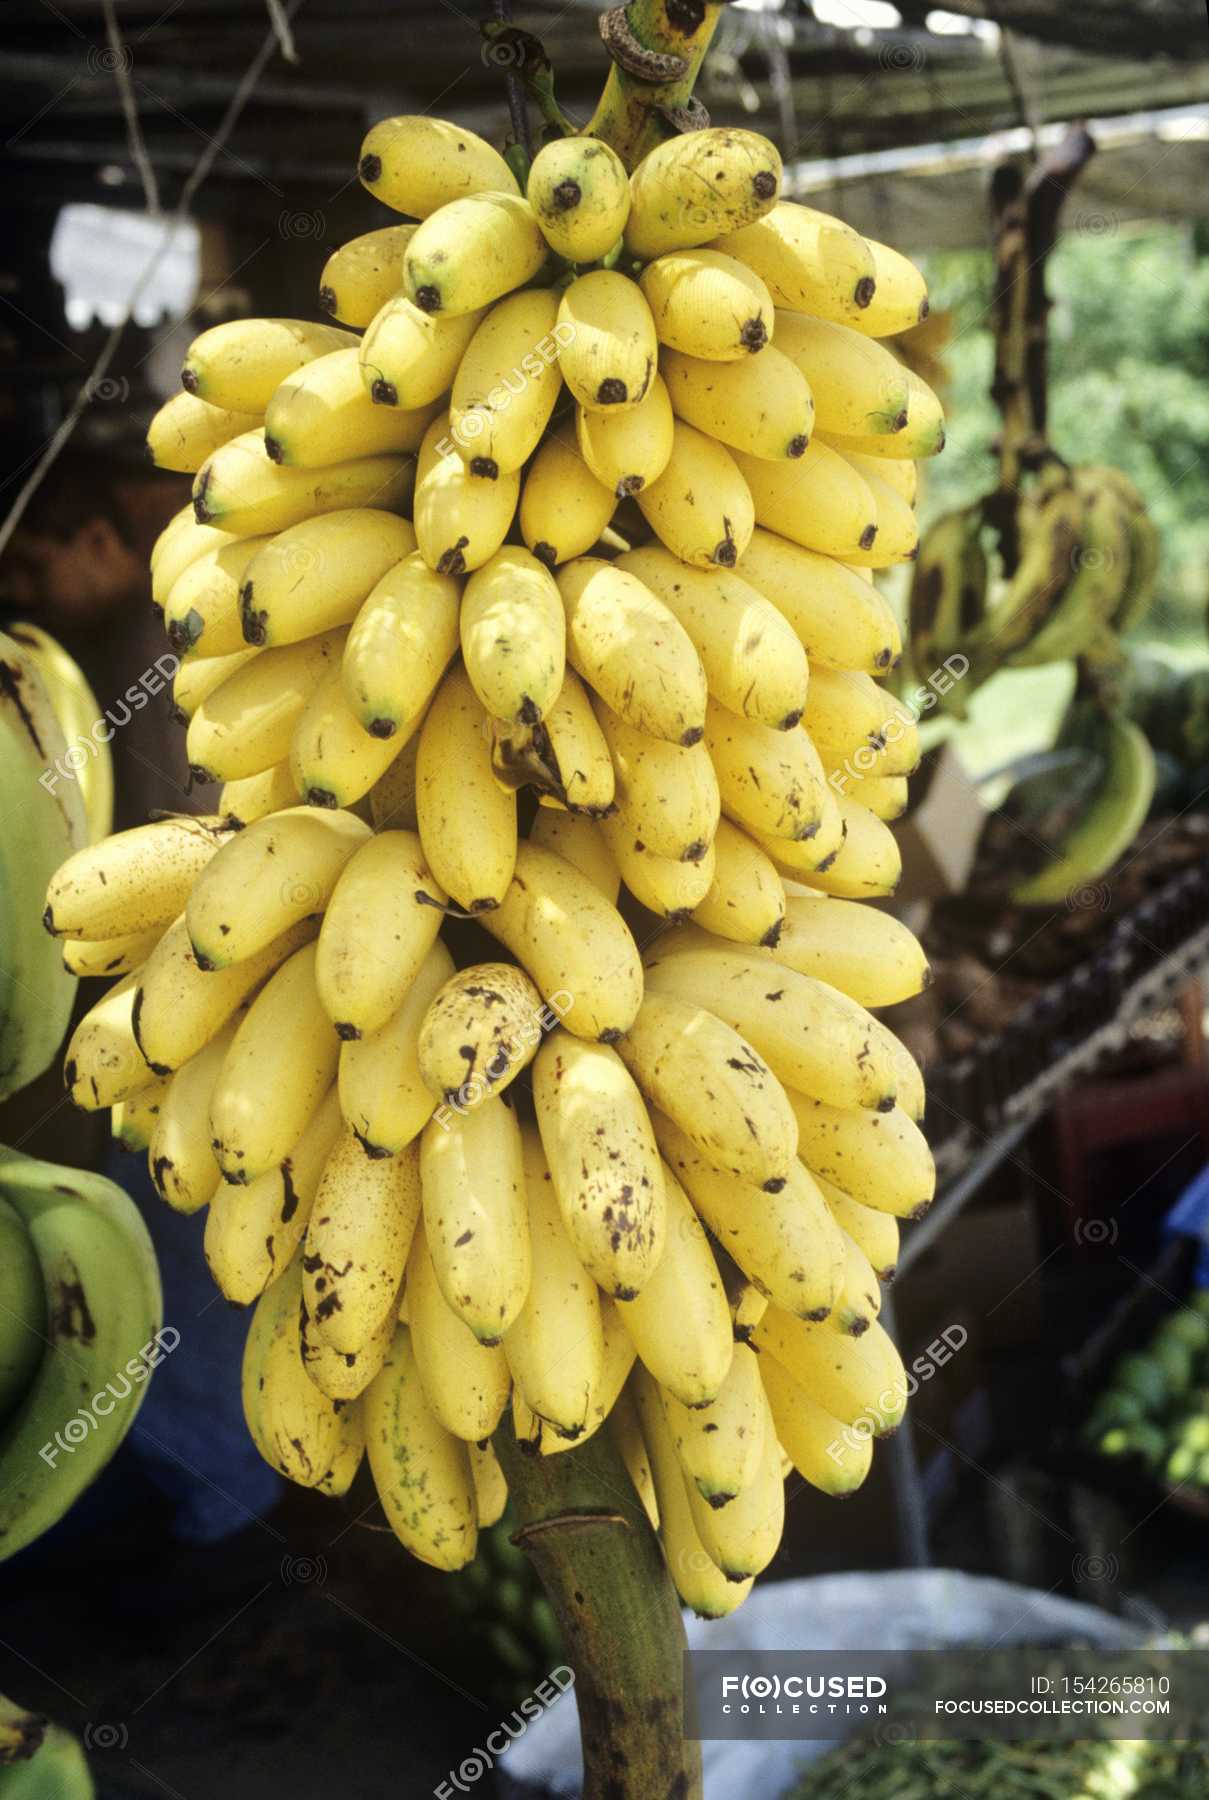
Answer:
(1156, 1404)
(542, 573)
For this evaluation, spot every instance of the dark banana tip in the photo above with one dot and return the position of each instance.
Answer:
(370, 168)
(317, 796)
(797, 446)
(775, 1185)
(428, 298)
(48, 921)
(629, 485)
(273, 450)
(384, 393)
(772, 936)
(792, 718)
(189, 380)
(725, 554)
(486, 467)
(764, 185)
(866, 287)
(613, 1035)
(692, 736)
(886, 1104)
(868, 536)
(612, 392)
(753, 334)
(382, 728)
(567, 194)
(900, 421)
(347, 1033)
(546, 553)
(925, 307)
(327, 301)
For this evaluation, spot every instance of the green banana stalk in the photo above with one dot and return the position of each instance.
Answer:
(1107, 825)
(104, 1313)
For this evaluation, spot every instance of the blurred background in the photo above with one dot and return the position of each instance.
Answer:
(173, 165)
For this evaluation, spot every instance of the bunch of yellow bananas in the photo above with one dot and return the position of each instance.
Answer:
(588, 515)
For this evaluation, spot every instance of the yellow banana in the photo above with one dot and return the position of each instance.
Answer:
(897, 527)
(467, 821)
(334, 761)
(818, 501)
(506, 384)
(578, 842)
(476, 1214)
(886, 796)
(409, 358)
(900, 298)
(381, 922)
(665, 885)
(513, 632)
(753, 662)
(466, 1384)
(708, 305)
(392, 799)
(255, 796)
(280, 1064)
(710, 1082)
(315, 576)
(580, 192)
(421, 1471)
(240, 488)
(627, 448)
(178, 1007)
(858, 386)
(362, 1222)
(323, 415)
(203, 601)
(922, 436)
(382, 1093)
(179, 1155)
(666, 794)
(346, 1463)
(473, 251)
(841, 621)
(701, 506)
(876, 1232)
(771, 781)
(461, 517)
(362, 275)
(831, 1457)
(867, 864)
(603, 1161)
(132, 1120)
(787, 1244)
(743, 1536)
(399, 645)
(619, 1358)
(900, 473)
(200, 676)
(137, 880)
(627, 645)
(238, 365)
(680, 1322)
(764, 408)
(746, 899)
(481, 1029)
(103, 1063)
(252, 1232)
(564, 755)
(107, 957)
(247, 724)
(809, 261)
(185, 430)
(490, 1488)
(859, 1380)
(573, 943)
(279, 870)
(417, 164)
(866, 953)
(848, 708)
(607, 348)
(880, 1159)
(721, 1445)
(181, 542)
(296, 1429)
(564, 508)
(344, 1375)
(860, 1299)
(694, 186)
(555, 1345)
(627, 1435)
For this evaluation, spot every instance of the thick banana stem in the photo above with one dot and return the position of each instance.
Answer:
(588, 1538)
(657, 47)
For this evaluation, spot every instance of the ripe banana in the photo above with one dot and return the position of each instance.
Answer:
(513, 633)
(921, 437)
(132, 1120)
(137, 880)
(280, 1064)
(809, 261)
(323, 415)
(578, 842)
(461, 516)
(746, 899)
(680, 1322)
(555, 1345)
(690, 188)
(481, 1029)
(399, 645)
(764, 408)
(875, 1232)
(710, 1082)
(203, 602)
(818, 501)
(239, 365)
(574, 944)
(409, 358)
(490, 1488)
(275, 872)
(178, 1007)
(867, 863)
(507, 383)
(344, 1375)
(864, 952)
(255, 796)
(603, 1161)
(467, 821)
(466, 1384)
(476, 1214)
(333, 761)
(897, 528)
(628, 447)
(900, 298)
(362, 275)
(473, 251)
(296, 1429)
(627, 1435)
(787, 1244)
(701, 507)
(860, 1380)
(200, 676)
(103, 1063)
(858, 386)
(179, 1156)
(109, 956)
(666, 794)
(564, 507)
(580, 194)
(721, 1445)
(708, 305)
(840, 620)
(831, 1457)
(880, 1159)
(607, 348)
(382, 1093)
(417, 164)
(563, 756)
(240, 488)
(859, 1300)
(631, 649)
(421, 1471)
(771, 781)
(78, 712)
(744, 1536)
(247, 724)
(392, 799)
(666, 886)
(381, 922)
(357, 1241)
(315, 576)
(185, 430)
(181, 542)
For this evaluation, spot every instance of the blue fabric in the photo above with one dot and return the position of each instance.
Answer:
(1189, 1217)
